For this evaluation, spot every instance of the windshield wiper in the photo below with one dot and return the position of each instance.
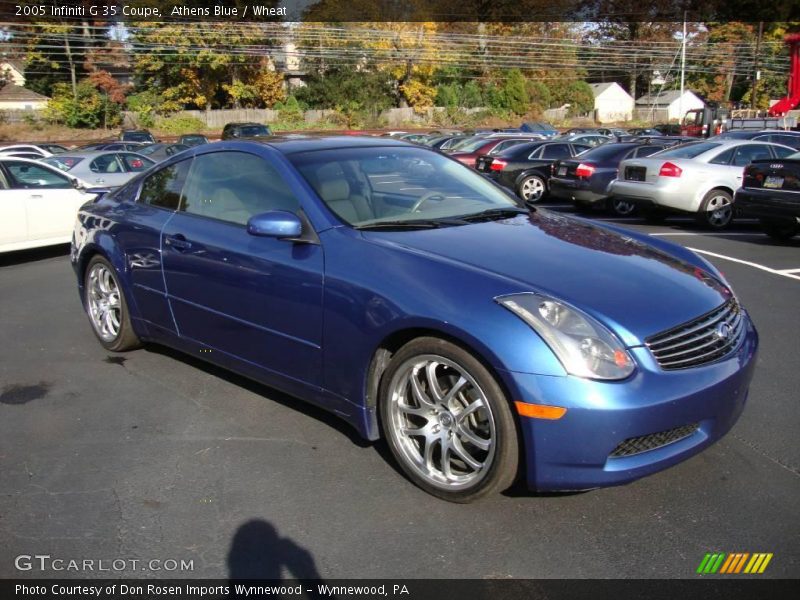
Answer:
(412, 224)
(495, 213)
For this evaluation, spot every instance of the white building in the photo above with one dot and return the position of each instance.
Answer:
(667, 106)
(13, 71)
(15, 97)
(611, 103)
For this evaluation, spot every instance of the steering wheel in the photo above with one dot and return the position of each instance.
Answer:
(424, 198)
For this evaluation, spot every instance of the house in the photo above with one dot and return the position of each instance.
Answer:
(13, 71)
(16, 97)
(611, 103)
(667, 105)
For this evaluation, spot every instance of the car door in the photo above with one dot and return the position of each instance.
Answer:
(743, 156)
(51, 202)
(148, 205)
(13, 220)
(258, 299)
(107, 171)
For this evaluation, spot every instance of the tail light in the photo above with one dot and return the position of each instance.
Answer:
(718, 130)
(752, 172)
(669, 169)
(498, 165)
(585, 170)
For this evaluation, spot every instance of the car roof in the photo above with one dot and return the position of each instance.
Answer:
(92, 153)
(301, 143)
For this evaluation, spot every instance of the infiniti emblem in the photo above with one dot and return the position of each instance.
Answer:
(723, 331)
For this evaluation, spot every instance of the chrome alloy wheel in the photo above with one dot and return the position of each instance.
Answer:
(103, 300)
(532, 189)
(442, 422)
(720, 211)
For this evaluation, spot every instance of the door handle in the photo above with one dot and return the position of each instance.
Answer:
(35, 196)
(178, 241)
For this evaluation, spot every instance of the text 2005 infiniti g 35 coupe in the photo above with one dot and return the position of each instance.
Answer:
(418, 301)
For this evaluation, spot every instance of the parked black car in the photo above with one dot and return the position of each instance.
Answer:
(245, 130)
(525, 168)
(193, 139)
(159, 152)
(586, 179)
(771, 192)
(137, 135)
(668, 128)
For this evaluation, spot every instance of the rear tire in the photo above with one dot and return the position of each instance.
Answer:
(716, 210)
(780, 230)
(532, 189)
(620, 207)
(447, 421)
(106, 307)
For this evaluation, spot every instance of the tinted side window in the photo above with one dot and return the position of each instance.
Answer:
(556, 151)
(786, 140)
(234, 186)
(782, 152)
(723, 158)
(747, 154)
(28, 176)
(107, 163)
(136, 163)
(163, 188)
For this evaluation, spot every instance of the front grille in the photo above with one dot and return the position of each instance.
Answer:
(701, 341)
(643, 443)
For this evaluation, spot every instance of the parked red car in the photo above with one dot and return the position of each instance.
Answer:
(468, 152)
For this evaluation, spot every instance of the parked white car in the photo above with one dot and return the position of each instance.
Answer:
(38, 204)
(698, 177)
(106, 169)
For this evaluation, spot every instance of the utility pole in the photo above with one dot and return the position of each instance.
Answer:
(756, 73)
(683, 69)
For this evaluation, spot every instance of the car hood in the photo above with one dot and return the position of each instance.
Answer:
(632, 287)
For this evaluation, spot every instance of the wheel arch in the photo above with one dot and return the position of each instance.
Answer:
(393, 341)
(723, 187)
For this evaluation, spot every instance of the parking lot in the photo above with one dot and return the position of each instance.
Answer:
(156, 456)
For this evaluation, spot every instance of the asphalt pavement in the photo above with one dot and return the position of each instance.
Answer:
(156, 456)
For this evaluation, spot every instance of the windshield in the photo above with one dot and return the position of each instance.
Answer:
(65, 163)
(254, 130)
(372, 185)
(690, 150)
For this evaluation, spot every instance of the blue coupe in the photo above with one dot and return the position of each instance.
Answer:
(420, 302)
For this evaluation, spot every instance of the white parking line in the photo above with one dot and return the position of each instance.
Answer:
(790, 271)
(748, 263)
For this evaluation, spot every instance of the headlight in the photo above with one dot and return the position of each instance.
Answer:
(584, 346)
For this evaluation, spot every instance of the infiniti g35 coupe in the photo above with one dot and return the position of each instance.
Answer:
(419, 301)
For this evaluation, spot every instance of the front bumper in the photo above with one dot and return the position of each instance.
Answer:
(574, 452)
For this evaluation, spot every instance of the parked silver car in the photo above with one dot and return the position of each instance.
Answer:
(698, 177)
(106, 169)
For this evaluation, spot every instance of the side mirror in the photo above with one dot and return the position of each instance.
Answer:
(275, 223)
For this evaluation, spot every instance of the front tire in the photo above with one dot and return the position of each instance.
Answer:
(532, 189)
(447, 421)
(106, 307)
(716, 210)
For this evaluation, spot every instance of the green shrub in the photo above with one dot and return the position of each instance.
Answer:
(180, 124)
(86, 109)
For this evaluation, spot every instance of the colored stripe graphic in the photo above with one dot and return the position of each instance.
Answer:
(722, 563)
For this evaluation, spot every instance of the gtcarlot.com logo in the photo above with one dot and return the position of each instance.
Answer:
(45, 562)
(734, 563)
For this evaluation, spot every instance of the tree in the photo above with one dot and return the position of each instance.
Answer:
(539, 94)
(515, 93)
(447, 95)
(86, 108)
(471, 96)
